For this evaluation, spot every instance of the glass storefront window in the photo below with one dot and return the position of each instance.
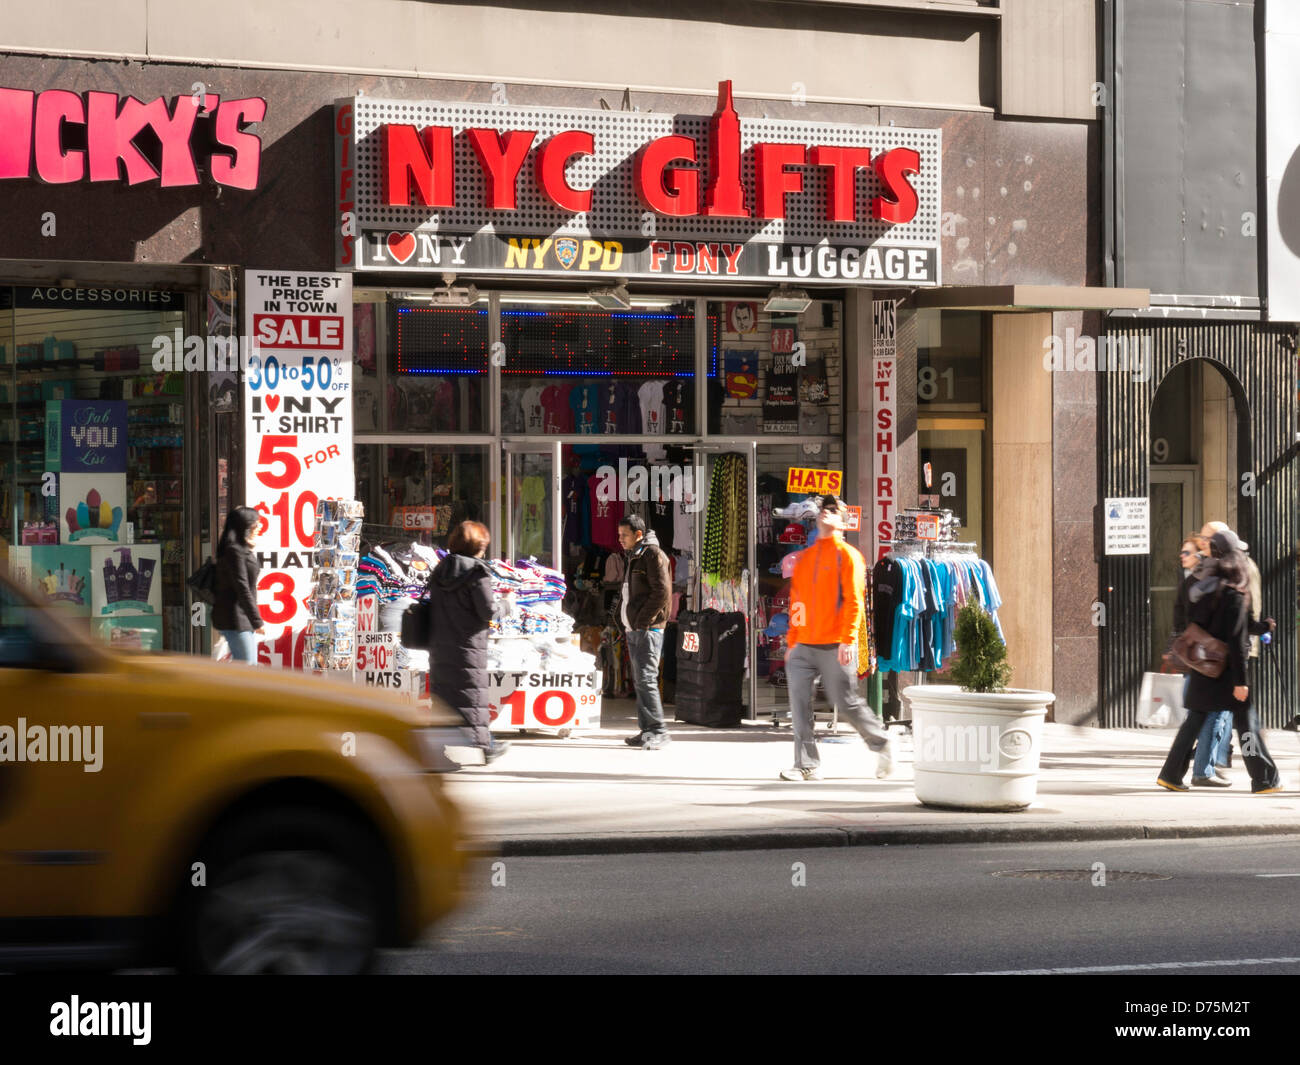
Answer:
(81, 400)
(773, 373)
(421, 492)
(574, 367)
(949, 360)
(419, 368)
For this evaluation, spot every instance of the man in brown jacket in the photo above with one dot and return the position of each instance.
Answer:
(647, 593)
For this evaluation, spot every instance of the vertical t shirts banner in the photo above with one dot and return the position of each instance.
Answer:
(297, 435)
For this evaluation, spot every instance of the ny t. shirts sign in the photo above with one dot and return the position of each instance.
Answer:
(297, 435)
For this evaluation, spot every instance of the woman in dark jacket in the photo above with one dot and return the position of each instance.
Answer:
(461, 608)
(234, 611)
(1218, 603)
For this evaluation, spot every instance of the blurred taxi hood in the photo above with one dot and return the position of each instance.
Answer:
(258, 689)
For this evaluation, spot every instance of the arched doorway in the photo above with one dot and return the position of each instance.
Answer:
(1246, 373)
(1194, 474)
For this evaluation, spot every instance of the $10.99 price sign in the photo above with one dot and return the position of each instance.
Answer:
(543, 701)
(297, 435)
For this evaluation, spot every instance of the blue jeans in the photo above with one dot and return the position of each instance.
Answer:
(1254, 753)
(1212, 743)
(243, 645)
(644, 647)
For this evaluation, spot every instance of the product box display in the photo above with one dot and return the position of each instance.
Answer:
(59, 574)
(126, 581)
(92, 507)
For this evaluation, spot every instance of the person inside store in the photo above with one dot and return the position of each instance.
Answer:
(1219, 602)
(827, 602)
(234, 608)
(647, 594)
(1216, 734)
(461, 608)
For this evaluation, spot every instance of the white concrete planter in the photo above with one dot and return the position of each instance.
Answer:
(977, 751)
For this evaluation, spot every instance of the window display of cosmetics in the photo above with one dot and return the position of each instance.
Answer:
(332, 633)
(63, 586)
(125, 585)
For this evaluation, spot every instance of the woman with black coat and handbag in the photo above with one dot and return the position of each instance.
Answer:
(234, 608)
(1218, 604)
(461, 609)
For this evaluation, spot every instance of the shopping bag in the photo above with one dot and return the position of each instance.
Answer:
(1160, 702)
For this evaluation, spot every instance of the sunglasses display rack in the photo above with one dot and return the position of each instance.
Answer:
(332, 630)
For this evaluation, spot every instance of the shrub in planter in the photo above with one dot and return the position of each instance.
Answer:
(982, 664)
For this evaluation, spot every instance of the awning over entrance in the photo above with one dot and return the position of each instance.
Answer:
(1034, 298)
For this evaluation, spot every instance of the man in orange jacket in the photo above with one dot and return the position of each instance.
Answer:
(827, 596)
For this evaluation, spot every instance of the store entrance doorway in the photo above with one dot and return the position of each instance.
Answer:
(530, 503)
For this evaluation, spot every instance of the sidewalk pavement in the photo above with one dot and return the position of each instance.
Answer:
(717, 789)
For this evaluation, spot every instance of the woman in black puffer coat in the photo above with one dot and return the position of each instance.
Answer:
(461, 607)
(1219, 604)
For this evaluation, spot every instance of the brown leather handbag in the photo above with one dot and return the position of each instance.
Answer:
(1200, 651)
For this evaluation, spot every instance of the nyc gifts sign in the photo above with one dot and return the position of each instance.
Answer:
(298, 435)
(495, 189)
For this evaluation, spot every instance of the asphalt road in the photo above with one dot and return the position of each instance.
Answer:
(1227, 907)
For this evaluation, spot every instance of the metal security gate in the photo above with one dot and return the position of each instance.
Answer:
(1259, 364)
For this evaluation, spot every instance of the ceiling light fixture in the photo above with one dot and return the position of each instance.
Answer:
(787, 299)
(612, 298)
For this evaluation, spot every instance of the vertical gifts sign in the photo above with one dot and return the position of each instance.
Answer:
(297, 436)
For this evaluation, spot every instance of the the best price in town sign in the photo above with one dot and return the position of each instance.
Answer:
(492, 189)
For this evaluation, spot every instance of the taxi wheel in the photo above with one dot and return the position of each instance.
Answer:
(288, 892)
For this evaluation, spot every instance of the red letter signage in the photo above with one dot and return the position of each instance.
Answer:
(901, 204)
(773, 179)
(843, 165)
(553, 159)
(32, 126)
(502, 158)
(726, 194)
(670, 190)
(423, 159)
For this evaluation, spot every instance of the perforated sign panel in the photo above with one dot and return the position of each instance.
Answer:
(619, 236)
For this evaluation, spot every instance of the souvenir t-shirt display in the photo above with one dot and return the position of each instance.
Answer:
(814, 421)
(651, 399)
(813, 385)
(574, 500)
(620, 408)
(512, 408)
(584, 401)
(605, 514)
(558, 414)
(742, 373)
(677, 404)
(663, 518)
(781, 405)
(532, 516)
(534, 412)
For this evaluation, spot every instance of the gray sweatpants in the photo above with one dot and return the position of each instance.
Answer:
(802, 665)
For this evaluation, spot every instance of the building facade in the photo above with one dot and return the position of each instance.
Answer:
(480, 318)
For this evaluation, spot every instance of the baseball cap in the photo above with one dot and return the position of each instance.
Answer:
(830, 502)
(779, 625)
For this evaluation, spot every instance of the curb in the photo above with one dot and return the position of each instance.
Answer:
(785, 839)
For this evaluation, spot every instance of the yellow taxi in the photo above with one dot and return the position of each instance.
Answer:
(168, 810)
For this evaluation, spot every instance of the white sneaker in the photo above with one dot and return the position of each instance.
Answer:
(801, 774)
(885, 760)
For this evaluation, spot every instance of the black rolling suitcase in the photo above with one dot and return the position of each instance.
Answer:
(710, 668)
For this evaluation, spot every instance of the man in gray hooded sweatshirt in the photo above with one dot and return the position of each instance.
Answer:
(647, 594)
